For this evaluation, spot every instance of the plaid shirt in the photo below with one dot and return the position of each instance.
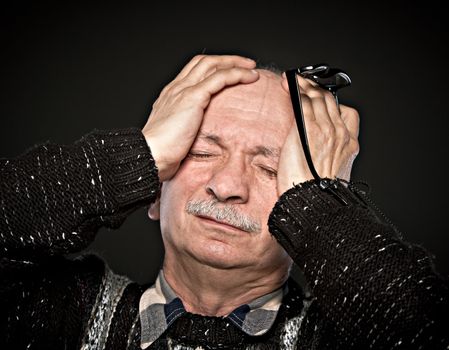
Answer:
(160, 307)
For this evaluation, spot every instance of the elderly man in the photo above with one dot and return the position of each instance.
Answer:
(221, 165)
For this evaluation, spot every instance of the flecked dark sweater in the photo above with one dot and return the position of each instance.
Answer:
(369, 288)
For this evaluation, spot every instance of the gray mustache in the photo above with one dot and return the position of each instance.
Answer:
(227, 214)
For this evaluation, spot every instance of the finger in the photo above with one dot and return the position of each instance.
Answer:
(351, 119)
(313, 102)
(332, 107)
(222, 78)
(317, 93)
(308, 86)
(292, 167)
(307, 109)
(324, 106)
(305, 83)
(318, 110)
(210, 64)
(188, 67)
(306, 103)
(341, 130)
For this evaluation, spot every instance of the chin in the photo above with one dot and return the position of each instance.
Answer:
(219, 256)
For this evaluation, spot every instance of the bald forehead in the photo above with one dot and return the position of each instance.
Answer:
(266, 93)
(256, 114)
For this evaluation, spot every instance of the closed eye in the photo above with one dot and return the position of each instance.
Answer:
(270, 172)
(199, 155)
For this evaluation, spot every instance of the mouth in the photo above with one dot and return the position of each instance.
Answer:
(214, 222)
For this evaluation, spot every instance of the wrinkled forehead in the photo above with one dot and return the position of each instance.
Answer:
(264, 100)
(247, 116)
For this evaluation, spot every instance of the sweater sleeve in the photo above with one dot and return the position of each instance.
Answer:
(53, 198)
(373, 289)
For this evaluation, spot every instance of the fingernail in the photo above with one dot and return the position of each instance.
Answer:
(254, 71)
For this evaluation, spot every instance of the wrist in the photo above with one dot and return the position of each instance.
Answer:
(292, 179)
(165, 170)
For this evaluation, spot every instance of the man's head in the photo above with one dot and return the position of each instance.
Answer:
(229, 176)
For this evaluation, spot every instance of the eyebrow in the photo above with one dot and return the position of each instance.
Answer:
(210, 138)
(268, 152)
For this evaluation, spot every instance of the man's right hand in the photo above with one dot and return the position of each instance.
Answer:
(178, 112)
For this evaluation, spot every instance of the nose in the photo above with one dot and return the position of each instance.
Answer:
(230, 181)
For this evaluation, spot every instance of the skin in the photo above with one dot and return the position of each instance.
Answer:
(206, 132)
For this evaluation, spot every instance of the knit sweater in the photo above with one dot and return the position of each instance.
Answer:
(368, 287)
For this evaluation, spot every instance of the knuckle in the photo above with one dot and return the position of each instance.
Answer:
(355, 146)
(357, 116)
(328, 95)
(183, 95)
(342, 134)
(352, 112)
(316, 134)
(237, 70)
(198, 58)
(328, 131)
(305, 99)
(232, 73)
(192, 94)
(355, 113)
(315, 93)
(219, 75)
(166, 89)
(155, 104)
(317, 98)
(208, 60)
(174, 90)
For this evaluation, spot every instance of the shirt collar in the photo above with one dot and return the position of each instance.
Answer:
(159, 307)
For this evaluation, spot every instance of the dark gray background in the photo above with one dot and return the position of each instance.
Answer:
(69, 68)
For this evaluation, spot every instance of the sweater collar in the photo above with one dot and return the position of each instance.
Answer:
(159, 307)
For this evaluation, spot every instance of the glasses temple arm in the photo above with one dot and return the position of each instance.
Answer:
(299, 116)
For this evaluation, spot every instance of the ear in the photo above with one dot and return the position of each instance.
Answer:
(154, 212)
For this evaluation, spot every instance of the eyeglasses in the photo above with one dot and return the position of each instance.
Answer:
(328, 78)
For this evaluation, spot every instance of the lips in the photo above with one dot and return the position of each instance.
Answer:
(214, 221)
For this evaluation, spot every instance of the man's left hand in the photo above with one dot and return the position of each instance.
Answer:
(332, 133)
